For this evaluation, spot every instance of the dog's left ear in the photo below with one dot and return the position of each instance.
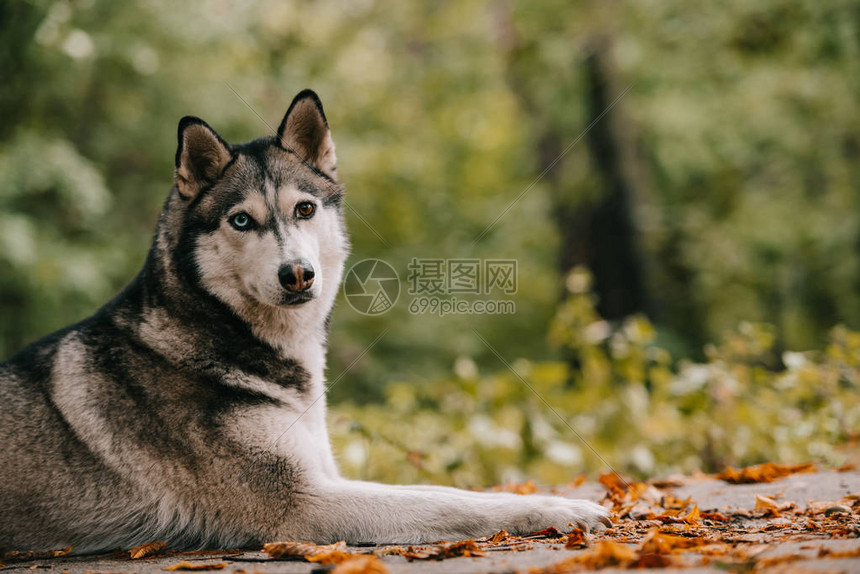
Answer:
(200, 157)
(304, 130)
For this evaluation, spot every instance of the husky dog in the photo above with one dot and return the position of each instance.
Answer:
(190, 408)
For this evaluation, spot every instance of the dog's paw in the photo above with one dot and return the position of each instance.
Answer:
(545, 511)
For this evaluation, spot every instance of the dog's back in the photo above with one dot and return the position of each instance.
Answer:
(47, 471)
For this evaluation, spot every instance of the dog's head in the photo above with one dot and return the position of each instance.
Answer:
(260, 224)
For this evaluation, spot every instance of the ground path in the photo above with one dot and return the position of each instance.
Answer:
(805, 522)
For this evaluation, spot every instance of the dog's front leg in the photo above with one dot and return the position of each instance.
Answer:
(361, 512)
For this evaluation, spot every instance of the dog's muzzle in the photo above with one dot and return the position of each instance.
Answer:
(296, 276)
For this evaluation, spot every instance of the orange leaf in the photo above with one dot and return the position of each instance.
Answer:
(329, 558)
(527, 487)
(21, 555)
(693, 516)
(361, 564)
(605, 555)
(577, 481)
(652, 561)
(673, 502)
(280, 549)
(613, 482)
(767, 472)
(827, 553)
(770, 506)
(442, 551)
(575, 539)
(147, 549)
(765, 503)
(658, 543)
(551, 532)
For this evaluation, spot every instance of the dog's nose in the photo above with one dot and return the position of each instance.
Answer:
(296, 276)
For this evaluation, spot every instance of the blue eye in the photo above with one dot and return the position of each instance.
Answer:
(241, 221)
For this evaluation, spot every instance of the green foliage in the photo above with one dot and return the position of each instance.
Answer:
(644, 413)
(51, 201)
(744, 118)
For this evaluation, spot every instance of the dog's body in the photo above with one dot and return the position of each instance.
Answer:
(190, 408)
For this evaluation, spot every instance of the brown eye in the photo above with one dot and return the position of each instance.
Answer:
(305, 210)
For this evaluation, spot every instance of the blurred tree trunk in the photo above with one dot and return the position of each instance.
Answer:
(635, 269)
(598, 234)
(602, 234)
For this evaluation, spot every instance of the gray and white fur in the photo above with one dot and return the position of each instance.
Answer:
(163, 416)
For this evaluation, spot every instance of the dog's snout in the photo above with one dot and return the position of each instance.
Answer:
(296, 276)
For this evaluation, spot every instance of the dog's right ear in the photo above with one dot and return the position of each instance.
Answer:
(200, 157)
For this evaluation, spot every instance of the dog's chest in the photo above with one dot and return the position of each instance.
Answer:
(295, 427)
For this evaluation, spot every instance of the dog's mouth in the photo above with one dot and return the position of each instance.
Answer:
(291, 299)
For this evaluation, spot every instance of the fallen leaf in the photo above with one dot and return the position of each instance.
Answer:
(669, 481)
(513, 546)
(659, 543)
(767, 504)
(575, 539)
(361, 564)
(551, 532)
(613, 482)
(197, 566)
(22, 555)
(690, 519)
(846, 468)
(329, 558)
(279, 550)
(769, 561)
(147, 549)
(527, 487)
(604, 555)
(443, 551)
(577, 481)
(767, 472)
(652, 561)
(693, 517)
(499, 537)
(670, 501)
(828, 553)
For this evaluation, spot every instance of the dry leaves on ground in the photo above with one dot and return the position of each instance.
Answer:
(652, 528)
(24, 555)
(346, 562)
(657, 529)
